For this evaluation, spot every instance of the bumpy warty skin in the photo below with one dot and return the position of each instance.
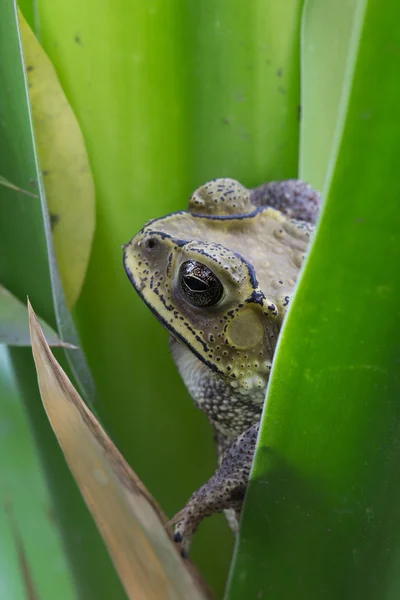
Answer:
(219, 277)
(229, 411)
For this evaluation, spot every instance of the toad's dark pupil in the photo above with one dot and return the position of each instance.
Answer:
(194, 284)
(199, 285)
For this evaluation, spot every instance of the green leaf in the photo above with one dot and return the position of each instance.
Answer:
(190, 92)
(325, 43)
(241, 73)
(33, 557)
(322, 512)
(29, 269)
(14, 328)
(24, 222)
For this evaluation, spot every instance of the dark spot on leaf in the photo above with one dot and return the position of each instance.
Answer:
(54, 219)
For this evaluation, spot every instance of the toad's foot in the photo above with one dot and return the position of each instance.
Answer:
(225, 490)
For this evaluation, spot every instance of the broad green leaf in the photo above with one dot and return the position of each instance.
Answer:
(65, 167)
(190, 91)
(240, 67)
(130, 522)
(29, 10)
(14, 325)
(93, 572)
(323, 506)
(27, 266)
(24, 222)
(31, 549)
(326, 34)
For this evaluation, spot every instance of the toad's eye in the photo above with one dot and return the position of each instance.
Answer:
(199, 285)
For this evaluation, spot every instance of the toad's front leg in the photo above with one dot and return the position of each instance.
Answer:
(225, 490)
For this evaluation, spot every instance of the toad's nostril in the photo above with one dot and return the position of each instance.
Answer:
(151, 243)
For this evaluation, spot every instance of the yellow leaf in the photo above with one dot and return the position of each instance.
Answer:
(132, 525)
(65, 166)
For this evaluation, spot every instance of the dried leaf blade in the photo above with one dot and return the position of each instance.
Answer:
(128, 519)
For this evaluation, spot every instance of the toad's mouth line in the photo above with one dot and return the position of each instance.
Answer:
(168, 325)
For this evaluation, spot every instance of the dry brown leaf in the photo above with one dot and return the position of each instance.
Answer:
(128, 518)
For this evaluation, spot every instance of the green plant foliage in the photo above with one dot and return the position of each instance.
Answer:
(33, 558)
(67, 178)
(24, 222)
(322, 513)
(325, 44)
(14, 329)
(168, 95)
(28, 270)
